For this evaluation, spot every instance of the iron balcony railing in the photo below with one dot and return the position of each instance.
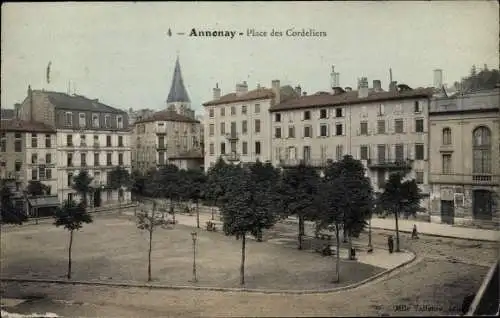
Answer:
(387, 163)
(319, 163)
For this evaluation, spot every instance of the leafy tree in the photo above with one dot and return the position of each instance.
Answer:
(297, 190)
(71, 216)
(195, 189)
(167, 181)
(400, 197)
(82, 185)
(119, 179)
(149, 222)
(9, 212)
(215, 187)
(37, 188)
(246, 208)
(485, 79)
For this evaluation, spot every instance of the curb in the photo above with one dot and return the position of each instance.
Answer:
(220, 289)
(439, 235)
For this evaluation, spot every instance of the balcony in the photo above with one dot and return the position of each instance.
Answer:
(470, 179)
(161, 147)
(232, 157)
(96, 145)
(232, 136)
(390, 164)
(292, 163)
(446, 148)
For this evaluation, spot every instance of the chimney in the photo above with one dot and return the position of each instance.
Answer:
(338, 90)
(377, 85)
(275, 86)
(241, 88)
(348, 89)
(393, 87)
(438, 78)
(216, 91)
(17, 109)
(334, 78)
(363, 87)
(298, 90)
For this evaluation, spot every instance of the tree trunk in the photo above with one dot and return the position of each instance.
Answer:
(344, 233)
(396, 211)
(149, 253)
(69, 253)
(337, 266)
(301, 231)
(197, 215)
(242, 267)
(351, 257)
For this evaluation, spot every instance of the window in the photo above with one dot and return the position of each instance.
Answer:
(108, 141)
(307, 131)
(48, 174)
(211, 113)
(363, 152)
(109, 157)
(339, 151)
(323, 113)
(83, 159)
(70, 196)
(419, 125)
(244, 148)
(306, 153)
(3, 144)
(223, 112)
(69, 140)
(233, 110)
(363, 129)
(244, 127)
(17, 143)
(34, 141)
(381, 149)
(211, 149)
(68, 119)
(70, 159)
(339, 112)
(277, 132)
(417, 107)
(120, 141)
(161, 158)
(17, 166)
(381, 110)
(323, 130)
(81, 120)
(381, 127)
(34, 158)
(34, 173)
(481, 148)
(48, 158)
(222, 128)
(211, 130)
(419, 177)
(338, 130)
(222, 148)
(398, 126)
(307, 115)
(277, 117)
(96, 140)
(446, 136)
(257, 108)
(446, 158)
(107, 121)
(291, 132)
(41, 174)
(96, 159)
(95, 120)
(48, 141)
(257, 147)
(120, 159)
(119, 122)
(419, 152)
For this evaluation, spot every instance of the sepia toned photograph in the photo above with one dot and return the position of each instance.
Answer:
(250, 159)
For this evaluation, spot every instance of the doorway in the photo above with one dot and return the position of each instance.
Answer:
(97, 198)
(447, 212)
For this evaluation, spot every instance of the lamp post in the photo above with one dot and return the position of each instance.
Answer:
(194, 236)
(370, 247)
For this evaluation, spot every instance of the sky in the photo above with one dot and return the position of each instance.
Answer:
(121, 53)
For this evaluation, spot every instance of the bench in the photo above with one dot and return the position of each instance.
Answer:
(213, 225)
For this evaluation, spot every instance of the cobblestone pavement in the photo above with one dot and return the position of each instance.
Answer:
(445, 272)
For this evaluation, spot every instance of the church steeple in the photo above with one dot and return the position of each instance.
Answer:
(178, 92)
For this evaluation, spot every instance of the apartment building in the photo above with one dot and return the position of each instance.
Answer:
(237, 126)
(89, 136)
(387, 130)
(464, 158)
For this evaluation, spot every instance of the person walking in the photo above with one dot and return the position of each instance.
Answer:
(390, 243)
(414, 233)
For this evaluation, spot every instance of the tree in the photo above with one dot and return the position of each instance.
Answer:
(167, 181)
(82, 184)
(485, 79)
(71, 216)
(215, 186)
(149, 221)
(118, 179)
(196, 186)
(297, 190)
(9, 212)
(37, 188)
(246, 208)
(400, 197)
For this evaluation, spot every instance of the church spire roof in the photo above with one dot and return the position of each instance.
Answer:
(178, 92)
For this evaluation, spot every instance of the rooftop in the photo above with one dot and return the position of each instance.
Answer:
(167, 115)
(7, 113)
(470, 102)
(350, 97)
(24, 126)
(77, 102)
(286, 92)
(178, 92)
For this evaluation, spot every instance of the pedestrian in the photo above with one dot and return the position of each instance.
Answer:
(390, 243)
(414, 233)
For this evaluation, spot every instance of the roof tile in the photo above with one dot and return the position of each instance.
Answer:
(25, 126)
(167, 115)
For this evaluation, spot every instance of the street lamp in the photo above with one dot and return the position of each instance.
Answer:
(194, 236)
(370, 247)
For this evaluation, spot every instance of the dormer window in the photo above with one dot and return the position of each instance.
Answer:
(68, 119)
(119, 122)
(107, 121)
(95, 120)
